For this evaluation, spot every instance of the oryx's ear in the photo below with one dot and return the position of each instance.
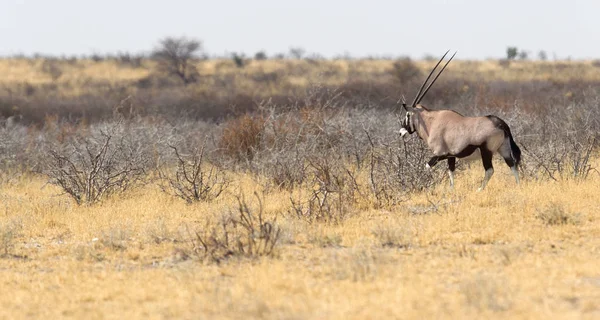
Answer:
(408, 108)
(403, 101)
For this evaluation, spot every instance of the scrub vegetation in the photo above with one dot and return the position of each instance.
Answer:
(155, 187)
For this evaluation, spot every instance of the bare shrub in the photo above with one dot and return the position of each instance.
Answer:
(486, 293)
(560, 159)
(266, 77)
(285, 168)
(292, 139)
(561, 149)
(52, 68)
(393, 236)
(287, 139)
(555, 214)
(241, 233)
(194, 179)
(13, 147)
(504, 63)
(92, 168)
(127, 59)
(397, 167)
(175, 57)
(333, 190)
(242, 136)
(8, 232)
(159, 232)
(115, 239)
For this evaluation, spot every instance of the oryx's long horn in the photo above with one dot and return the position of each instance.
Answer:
(429, 86)
(414, 104)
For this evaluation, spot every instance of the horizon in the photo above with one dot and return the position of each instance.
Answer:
(478, 31)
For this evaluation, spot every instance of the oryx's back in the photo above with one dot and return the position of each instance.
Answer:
(452, 133)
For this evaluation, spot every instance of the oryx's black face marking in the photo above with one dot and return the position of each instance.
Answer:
(408, 125)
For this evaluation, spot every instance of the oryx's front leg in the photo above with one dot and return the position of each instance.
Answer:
(433, 161)
(451, 168)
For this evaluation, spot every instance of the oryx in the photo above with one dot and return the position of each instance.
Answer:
(450, 135)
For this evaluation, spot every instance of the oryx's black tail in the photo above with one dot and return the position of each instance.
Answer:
(514, 148)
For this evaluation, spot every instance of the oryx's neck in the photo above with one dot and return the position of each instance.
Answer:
(423, 122)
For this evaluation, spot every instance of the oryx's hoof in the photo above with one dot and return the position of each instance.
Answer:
(427, 166)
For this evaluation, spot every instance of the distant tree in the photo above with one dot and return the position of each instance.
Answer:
(404, 69)
(316, 56)
(238, 59)
(174, 56)
(523, 55)
(429, 57)
(297, 52)
(261, 55)
(511, 53)
(96, 57)
(542, 55)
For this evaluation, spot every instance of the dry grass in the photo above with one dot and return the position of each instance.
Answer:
(520, 252)
(74, 91)
(293, 72)
(442, 254)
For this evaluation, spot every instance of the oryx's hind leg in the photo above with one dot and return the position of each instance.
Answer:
(486, 157)
(451, 168)
(506, 153)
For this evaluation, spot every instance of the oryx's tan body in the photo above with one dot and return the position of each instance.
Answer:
(449, 133)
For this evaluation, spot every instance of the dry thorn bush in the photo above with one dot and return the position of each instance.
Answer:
(242, 136)
(555, 214)
(396, 168)
(485, 293)
(241, 233)
(333, 192)
(9, 231)
(562, 157)
(558, 150)
(194, 179)
(92, 168)
(158, 232)
(115, 238)
(405, 70)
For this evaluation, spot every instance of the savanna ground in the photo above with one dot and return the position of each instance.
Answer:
(318, 174)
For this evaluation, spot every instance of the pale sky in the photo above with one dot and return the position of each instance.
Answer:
(475, 28)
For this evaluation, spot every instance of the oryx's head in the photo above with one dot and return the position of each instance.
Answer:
(408, 123)
(411, 117)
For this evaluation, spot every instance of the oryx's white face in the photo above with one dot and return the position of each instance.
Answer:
(408, 126)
